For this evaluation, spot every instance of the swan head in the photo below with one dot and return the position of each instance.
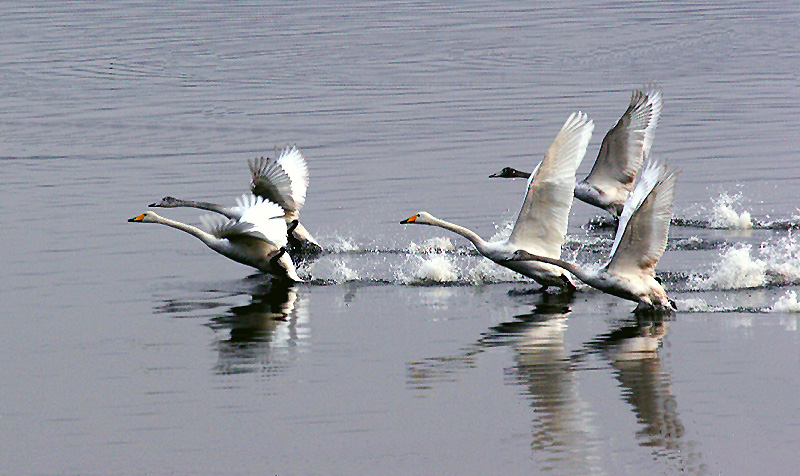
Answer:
(421, 218)
(146, 217)
(166, 202)
(509, 172)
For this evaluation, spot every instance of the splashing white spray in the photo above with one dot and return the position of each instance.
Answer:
(778, 263)
(787, 303)
(431, 245)
(343, 273)
(723, 214)
(437, 268)
(736, 269)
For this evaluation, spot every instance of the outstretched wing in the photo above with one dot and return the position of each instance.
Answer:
(644, 224)
(542, 221)
(260, 219)
(627, 144)
(283, 181)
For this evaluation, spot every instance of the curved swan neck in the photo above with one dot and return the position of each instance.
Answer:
(479, 242)
(205, 237)
(212, 207)
(579, 272)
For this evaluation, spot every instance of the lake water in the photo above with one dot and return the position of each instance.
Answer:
(130, 349)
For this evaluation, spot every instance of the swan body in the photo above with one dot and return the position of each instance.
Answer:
(542, 221)
(638, 244)
(257, 238)
(622, 152)
(283, 181)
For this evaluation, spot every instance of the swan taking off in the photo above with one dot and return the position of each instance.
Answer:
(257, 238)
(638, 245)
(542, 221)
(621, 155)
(283, 181)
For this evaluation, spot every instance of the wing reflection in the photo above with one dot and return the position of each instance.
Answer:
(562, 425)
(263, 335)
(632, 350)
(564, 428)
(427, 373)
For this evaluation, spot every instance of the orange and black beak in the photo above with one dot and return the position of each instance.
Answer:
(410, 219)
(139, 218)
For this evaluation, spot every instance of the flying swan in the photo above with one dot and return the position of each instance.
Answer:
(624, 149)
(542, 221)
(283, 181)
(257, 238)
(638, 244)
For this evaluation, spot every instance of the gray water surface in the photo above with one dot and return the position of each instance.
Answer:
(129, 349)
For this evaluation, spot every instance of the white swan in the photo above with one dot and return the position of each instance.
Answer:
(542, 221)
(283, 181)
(621, 155)
(638, 245)
(257, 238)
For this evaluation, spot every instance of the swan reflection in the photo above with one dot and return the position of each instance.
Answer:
(264, 334)
(565, 427)
(562, 430)
(427, 373)
(632, 350)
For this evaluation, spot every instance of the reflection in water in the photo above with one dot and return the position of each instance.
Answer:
(564, 431)
(260, 336)
(427, 373)
(562, 428)
(632, 349)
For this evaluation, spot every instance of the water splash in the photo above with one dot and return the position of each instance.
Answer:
(778, 263)
(787, 303)
(339, 244)
(503, 229)
(723, 214)
(343, 273)
(783, 260)
(431, 245)
(487, 272)
(736, 269)
(436, 268)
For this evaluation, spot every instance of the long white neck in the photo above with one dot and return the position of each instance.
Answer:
(476, 240)
(212, 207)
(206, 238)
(579, 272)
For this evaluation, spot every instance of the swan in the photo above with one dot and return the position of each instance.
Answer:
(622, 152)
(542, 221)
(638, 244)
(257, 238)
(283, 181)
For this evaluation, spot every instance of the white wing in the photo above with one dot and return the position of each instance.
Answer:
(266, 221)
(283, 181)
(644, 224)
(627, 144)
(542, 221)
(260, 219)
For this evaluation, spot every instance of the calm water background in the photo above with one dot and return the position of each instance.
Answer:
(135, 350)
